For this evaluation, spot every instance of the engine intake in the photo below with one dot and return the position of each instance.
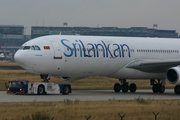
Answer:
(65, 78)
(173, 75)
(70, 78)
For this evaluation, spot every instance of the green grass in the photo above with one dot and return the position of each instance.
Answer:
(98, 110)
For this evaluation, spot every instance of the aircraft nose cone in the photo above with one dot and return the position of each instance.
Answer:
(18, 58)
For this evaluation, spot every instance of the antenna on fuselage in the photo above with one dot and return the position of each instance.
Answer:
(60, 33)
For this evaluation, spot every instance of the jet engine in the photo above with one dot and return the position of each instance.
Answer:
(173, 75)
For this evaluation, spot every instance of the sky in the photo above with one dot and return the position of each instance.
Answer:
(91, 13)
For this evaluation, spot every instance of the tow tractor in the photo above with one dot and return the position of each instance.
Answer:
(40, 88)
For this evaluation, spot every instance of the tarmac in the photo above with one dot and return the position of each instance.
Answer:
(90, 95)
(86, 95)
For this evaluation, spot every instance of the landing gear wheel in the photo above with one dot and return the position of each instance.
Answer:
(117, 87)
(66, 90)
(45, 78)
(132, 87)
(177, 89)
(125, 87)
(161, 88)
(158, 86)
(155, 88)
(41, 90)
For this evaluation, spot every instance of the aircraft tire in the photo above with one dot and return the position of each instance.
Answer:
(117, 87)
(125, 88)
(132, 87)
(177, 89)
(161, 88)
(66, 90)
(155, 88)
(41, 90)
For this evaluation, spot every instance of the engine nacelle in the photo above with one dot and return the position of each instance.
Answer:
(70, 78)
(173, 75)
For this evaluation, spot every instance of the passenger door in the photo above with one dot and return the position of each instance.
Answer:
(57, 50)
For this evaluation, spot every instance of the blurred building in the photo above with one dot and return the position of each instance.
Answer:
(11, 38)
(37, 31)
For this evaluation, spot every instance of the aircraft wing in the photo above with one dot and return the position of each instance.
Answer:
(153, 65)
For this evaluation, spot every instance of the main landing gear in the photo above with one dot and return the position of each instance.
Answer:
(158, 86)
(124, 86)
(177, 89)
(45, 78)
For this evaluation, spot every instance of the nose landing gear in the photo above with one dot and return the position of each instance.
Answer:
(45, 78)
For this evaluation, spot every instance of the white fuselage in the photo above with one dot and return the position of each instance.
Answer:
(83, 56)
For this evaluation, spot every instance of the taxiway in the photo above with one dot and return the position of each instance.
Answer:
(89, 95)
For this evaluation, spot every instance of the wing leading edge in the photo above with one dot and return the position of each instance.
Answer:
(153, 65)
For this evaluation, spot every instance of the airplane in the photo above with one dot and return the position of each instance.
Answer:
(75, 57)
(2, 56)
(5, 55)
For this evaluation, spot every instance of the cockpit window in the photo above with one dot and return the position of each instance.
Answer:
(37, 48)
(32, 48)
(26, 47)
